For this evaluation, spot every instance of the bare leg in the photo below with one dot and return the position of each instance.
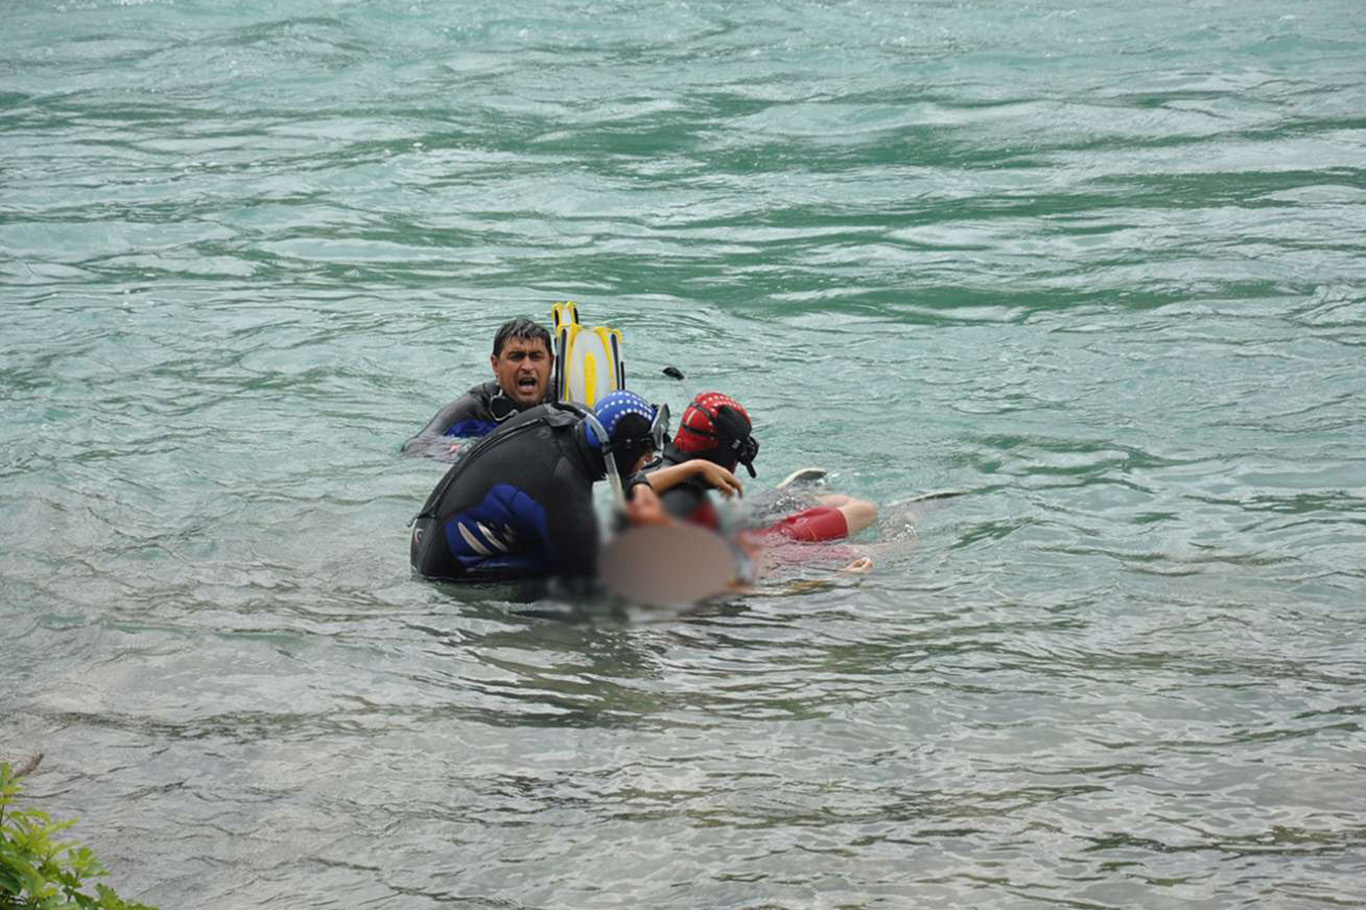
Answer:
(858, 513)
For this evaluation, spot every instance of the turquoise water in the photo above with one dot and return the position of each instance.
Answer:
(1098, 266)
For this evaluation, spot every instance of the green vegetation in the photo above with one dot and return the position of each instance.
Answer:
(38, 873)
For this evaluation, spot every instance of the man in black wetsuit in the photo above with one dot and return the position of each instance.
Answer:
(523, 358)
(519, 502)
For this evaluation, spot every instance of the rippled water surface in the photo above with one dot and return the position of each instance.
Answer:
(1100, 267)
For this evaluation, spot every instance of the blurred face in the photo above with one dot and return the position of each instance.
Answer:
(522, 369)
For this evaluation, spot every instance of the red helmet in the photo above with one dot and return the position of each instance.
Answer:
(717, 427)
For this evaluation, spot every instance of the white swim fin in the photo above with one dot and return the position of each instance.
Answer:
(804, 476)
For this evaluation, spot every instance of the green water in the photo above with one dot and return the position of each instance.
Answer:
(1101, 267)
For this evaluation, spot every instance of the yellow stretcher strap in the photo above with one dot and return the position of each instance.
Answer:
(566, 312)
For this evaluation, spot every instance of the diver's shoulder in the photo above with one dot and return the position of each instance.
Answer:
(554, 415)
(483, 391)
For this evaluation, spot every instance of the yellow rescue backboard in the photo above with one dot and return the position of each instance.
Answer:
(588, 362)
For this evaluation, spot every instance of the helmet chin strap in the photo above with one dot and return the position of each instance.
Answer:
(613, 477)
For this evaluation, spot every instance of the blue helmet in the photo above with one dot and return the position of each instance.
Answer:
(612, 412)
(634, 428)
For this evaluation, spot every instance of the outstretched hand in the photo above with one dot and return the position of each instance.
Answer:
(718, 478)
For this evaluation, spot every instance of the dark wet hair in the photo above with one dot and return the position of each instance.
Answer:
(522, 329)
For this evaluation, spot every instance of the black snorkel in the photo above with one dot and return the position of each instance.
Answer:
(610, 463)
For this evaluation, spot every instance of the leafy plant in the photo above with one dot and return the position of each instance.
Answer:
(40, 873)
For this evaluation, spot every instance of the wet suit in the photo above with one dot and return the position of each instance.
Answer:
(478, 412)
(518, 504)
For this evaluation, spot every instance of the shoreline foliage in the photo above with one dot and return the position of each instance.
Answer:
(38, 872)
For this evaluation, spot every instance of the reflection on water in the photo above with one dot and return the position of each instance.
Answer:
(1097, 270)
